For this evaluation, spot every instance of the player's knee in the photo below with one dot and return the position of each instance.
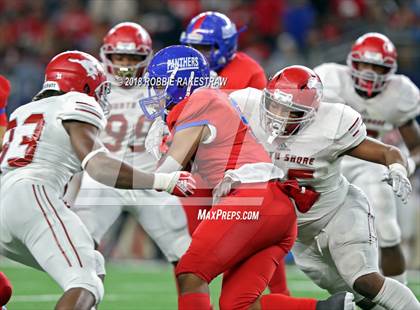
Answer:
(369, 285)
(191, 283)
(389, 233)
(90, 282)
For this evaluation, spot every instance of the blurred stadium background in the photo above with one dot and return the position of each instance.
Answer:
(279, 33)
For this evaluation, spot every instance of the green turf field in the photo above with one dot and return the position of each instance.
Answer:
(134, 286)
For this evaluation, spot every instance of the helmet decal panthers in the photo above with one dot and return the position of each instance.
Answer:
(126, 38)
(290, 101)
(216, 30)
(172, 75)
(375, 49)
(77, 71)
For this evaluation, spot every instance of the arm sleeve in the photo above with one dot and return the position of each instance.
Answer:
(246, 100)
(83, 108)
(4, 94)
(3, 119)
(351, 131)
(196, 112)
(258, 80)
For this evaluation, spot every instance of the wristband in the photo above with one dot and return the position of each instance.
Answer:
(162, 181)
(398, 167)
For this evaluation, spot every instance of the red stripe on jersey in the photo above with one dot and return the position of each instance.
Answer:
(12, 124)
(84, 103)
(91, 112)
(236, 146)
(64, 228)
(300, 174)
(52, 230)
(199, 22)
(355, 122)
(355, 133)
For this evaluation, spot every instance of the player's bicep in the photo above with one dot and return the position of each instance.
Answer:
(83, 137)
(185, 143)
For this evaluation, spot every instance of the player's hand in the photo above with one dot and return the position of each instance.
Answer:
(397, 178)
(223, 189)
(179, 183)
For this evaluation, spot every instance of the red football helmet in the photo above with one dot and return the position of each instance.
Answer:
(126, 38)
(290, 101)
(376, 49)
(77, 71)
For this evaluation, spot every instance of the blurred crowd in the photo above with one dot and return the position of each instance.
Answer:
(278, 32)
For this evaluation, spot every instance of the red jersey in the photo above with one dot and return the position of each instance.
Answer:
(4, 94)
(242, 72)
(231, 143)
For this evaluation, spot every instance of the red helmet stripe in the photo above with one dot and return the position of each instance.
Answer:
(199, 22)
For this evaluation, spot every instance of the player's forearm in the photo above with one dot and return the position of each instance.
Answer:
(392, 155)
(115, 173)
(375, 151)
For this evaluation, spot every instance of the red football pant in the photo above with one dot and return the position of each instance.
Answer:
(278, 284)
(5, 289)
(200, 200)
(248, 251)
(243, 285)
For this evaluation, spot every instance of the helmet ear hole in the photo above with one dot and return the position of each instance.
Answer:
(86, 89)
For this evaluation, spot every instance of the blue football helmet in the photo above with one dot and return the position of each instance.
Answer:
(172, 75)
(216, 30)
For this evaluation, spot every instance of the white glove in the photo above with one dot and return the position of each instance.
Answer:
(397, 178)
(154, 137)
(223, 188)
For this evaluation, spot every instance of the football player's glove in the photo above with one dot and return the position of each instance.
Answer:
(397, 178)
(179, 183)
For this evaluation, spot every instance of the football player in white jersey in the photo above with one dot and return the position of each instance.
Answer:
(336, 245)
(386, 101)
(46, 142)
(126, 51)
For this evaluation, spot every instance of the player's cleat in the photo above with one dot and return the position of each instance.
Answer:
(339, 301)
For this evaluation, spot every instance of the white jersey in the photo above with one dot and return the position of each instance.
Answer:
(393, 107)
(313, 155)
(398, 103)
(127, 127)
(36, 146)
